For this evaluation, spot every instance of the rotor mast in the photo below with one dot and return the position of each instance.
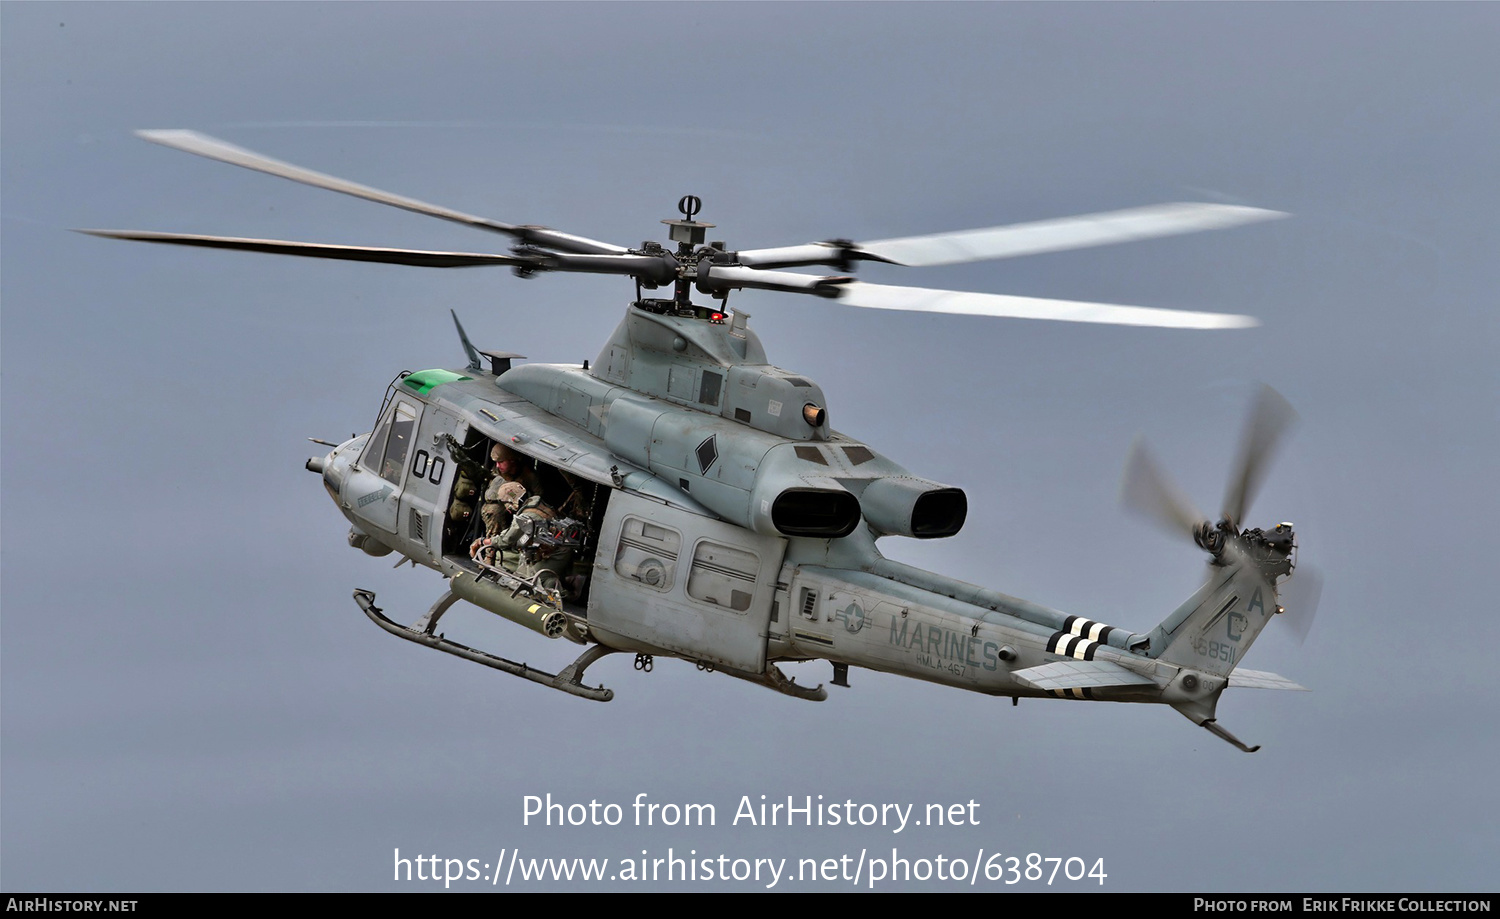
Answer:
(689, 235)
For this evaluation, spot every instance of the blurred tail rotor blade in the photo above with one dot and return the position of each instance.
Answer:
(1270, 418)
(1300, 600)
(1147, 491)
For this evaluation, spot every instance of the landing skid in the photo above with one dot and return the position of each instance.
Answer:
(773, 678)
(423, 633)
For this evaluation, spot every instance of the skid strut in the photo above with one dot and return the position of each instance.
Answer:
(422, 633)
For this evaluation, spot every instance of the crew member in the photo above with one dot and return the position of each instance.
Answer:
(468, 483)
(523, 552)
(508, 468)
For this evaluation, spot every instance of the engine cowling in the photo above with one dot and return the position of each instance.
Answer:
(909, 506)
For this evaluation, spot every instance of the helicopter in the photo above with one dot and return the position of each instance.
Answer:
(683, 497)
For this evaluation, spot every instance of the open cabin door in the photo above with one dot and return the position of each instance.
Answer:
(693, 586)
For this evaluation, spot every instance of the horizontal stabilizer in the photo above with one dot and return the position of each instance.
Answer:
(1078, 675)
(1260, 679)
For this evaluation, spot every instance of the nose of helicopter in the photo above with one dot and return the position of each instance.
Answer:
(331, 470)
(334, 467)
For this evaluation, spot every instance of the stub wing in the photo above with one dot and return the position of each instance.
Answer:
(1079, 675)
(1260, 679)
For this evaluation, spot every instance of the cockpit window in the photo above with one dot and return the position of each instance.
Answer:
(375, 446)
(402, 425)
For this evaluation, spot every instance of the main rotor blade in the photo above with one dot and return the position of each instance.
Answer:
(215, 149)
(1146, 490)
(1063, 233)
(1018, 239)
(1269, 419)
(715, 279)
(421, 257)
(922, 299)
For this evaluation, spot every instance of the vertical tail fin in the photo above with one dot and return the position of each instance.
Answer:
(1208, 636)
(1211, 632)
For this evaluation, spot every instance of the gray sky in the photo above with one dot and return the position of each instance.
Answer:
(191, 701)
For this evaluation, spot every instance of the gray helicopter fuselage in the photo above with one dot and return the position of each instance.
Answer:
(696, 441)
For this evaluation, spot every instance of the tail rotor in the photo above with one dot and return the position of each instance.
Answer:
(1271, 417)
(1147, 490)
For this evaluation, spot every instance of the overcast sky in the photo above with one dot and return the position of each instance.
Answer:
(192, 701)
